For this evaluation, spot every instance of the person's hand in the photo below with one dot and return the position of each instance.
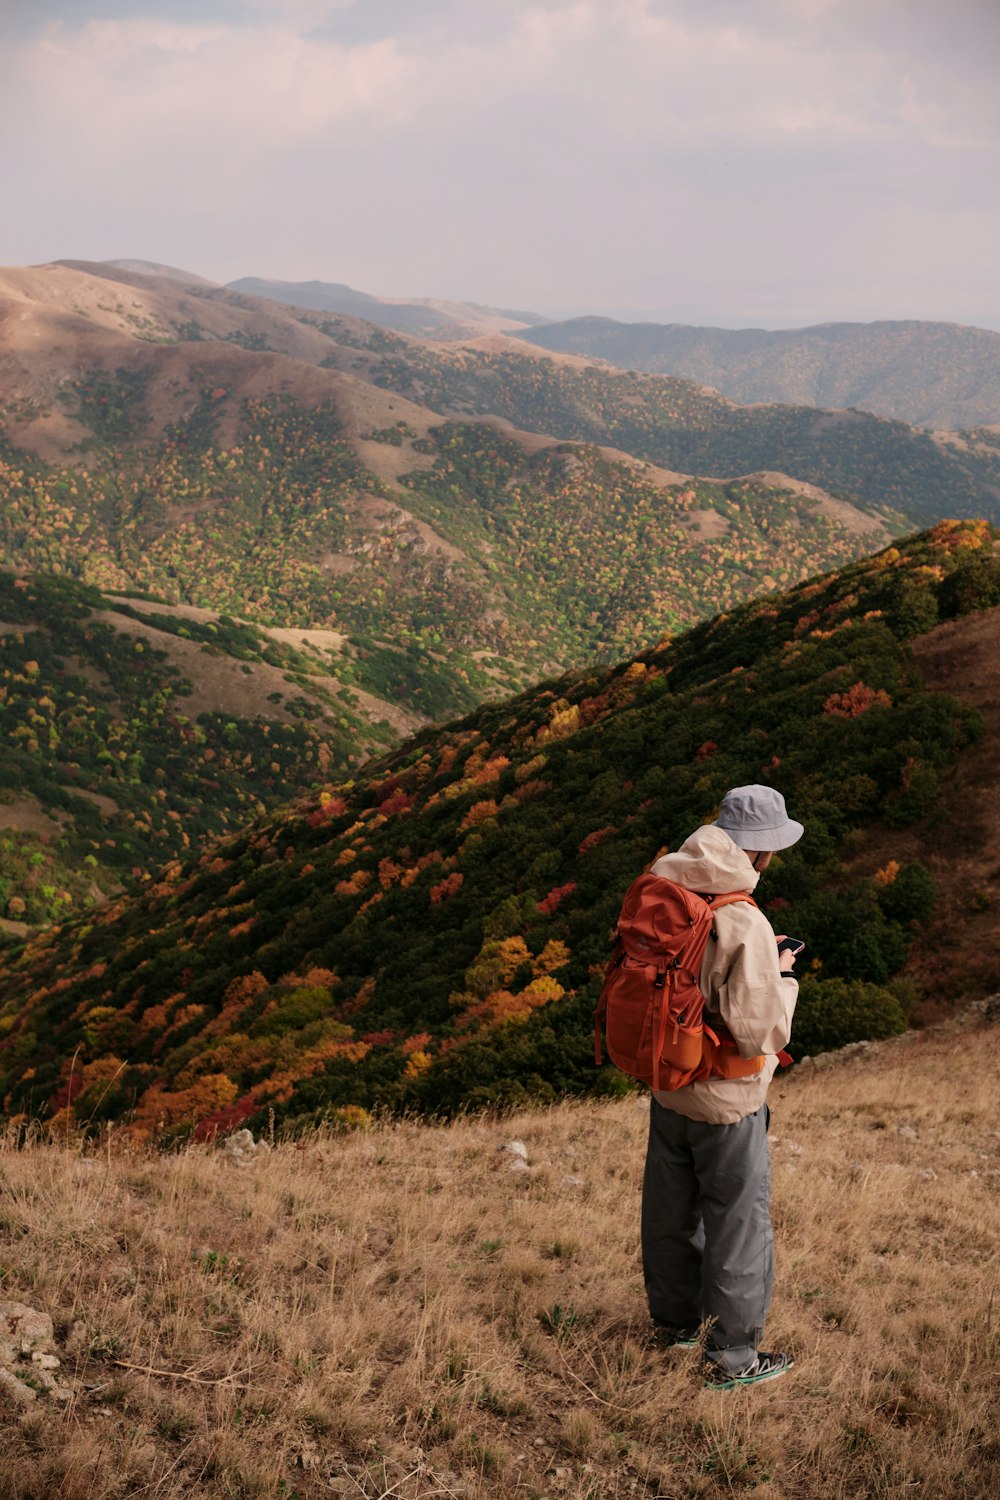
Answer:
(786, 958)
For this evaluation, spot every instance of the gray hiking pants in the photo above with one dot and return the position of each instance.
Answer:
(707, 1243)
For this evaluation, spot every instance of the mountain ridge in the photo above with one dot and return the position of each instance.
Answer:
(936, 375)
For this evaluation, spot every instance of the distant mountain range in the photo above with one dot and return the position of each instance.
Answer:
(941, 376)
(936, 375)
(277, 472)
(424, 318)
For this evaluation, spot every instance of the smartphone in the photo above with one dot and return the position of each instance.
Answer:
(791, 945)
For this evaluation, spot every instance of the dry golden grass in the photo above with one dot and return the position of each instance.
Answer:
(399, 1313)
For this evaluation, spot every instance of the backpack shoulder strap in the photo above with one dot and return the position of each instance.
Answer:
(728, 898)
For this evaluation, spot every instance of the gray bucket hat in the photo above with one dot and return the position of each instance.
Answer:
(755, 818)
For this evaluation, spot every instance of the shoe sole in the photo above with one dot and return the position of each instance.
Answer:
(738, 1380)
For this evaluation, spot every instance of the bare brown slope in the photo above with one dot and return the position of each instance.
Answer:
(57, 322)
(956, 957)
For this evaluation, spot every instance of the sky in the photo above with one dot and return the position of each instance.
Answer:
(735, 162)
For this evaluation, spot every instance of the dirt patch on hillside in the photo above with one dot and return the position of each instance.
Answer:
(648, 473)
(707, 525)
(388, 461)
(378, 514)
(220, 683)
(377, 710)
(242, 689)
(956, 956)
(25, 814)
(105, 804)
(337, 564)
(842, 512)
(530, 442)
(302, 639)
(292, 635)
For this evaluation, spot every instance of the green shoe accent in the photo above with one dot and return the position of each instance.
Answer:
(665, 1337)
(764, 1367)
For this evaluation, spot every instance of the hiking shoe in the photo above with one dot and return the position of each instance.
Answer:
(665, 1336)
(764, 1367)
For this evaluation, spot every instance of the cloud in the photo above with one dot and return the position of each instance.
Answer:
(123, 85)
(524, 150)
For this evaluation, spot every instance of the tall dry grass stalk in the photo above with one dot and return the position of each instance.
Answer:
(400, 1313)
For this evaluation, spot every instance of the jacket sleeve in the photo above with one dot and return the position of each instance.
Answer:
(749, 991)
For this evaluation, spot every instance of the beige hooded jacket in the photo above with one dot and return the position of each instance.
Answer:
(740, 977)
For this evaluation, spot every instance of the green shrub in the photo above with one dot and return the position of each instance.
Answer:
(973, 585)
(910, 897)
(832, 1012)
(913, 607)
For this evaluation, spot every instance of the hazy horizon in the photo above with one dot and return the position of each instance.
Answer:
(733, 163)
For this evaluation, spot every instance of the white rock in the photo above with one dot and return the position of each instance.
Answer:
(16, 1389)
(515, 1148)
(52, 1384)
(243, 1151)
(518, 1165)
(574, 1182)
(45, 1361)
(907, 1132)
(23, 1330)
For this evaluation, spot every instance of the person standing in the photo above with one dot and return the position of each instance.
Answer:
(707, 1239)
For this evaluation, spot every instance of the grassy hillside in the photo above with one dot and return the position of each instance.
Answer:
(937, 375)
(432, 934)
(132, 733)
(464, 1330)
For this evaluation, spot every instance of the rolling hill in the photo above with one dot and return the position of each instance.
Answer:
(936, 375)
(215, 450)
(424, 317)
(431, 934)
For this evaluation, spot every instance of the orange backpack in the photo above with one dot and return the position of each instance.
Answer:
(651, 1001)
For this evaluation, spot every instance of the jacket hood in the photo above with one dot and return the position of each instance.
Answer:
(708, 862)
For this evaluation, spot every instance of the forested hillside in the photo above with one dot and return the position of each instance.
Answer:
(132, 733)
(937, 375)
(431, 934)
(459, 561)
(685, 427)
